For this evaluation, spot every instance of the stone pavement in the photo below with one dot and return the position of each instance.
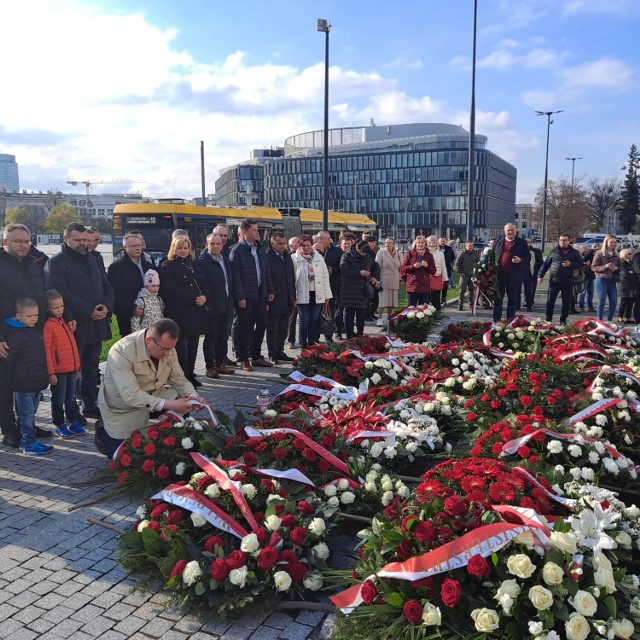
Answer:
(59, 575)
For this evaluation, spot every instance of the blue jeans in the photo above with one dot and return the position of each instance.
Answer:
(27, 403)
(309, 320)
(89, 360)
(63, 399)
(587, 293)
(606, 289)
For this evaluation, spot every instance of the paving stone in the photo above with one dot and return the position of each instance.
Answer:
(252, 619)
(188, 624)
(217, 626)
(311, 618)
(296, 631)
(265, 633)
(81, 635)
(6, 611)
(88, 613)
(67, 627)
(237, 632)
(174, 613)
(52, 600)
(68, 588)
(23, 634)
(328, 628)
(29, 614)
(44, 587)
(58, 614)
(113, 635)
(78, 600)
(62, 576)
(18, 586)
(23, 600)
(9, 627)
(137, 598)
(107, 599)
(199, 636)
(149, 610)
(278, 620)
(98, 626)
(157, 627)
(119, 611)
(174, 635)
(130, 625)
(40, 625)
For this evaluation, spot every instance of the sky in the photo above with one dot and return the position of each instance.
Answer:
(127, 89)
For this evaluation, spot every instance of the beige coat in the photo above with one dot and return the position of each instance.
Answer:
(389, 269)
(132, 387)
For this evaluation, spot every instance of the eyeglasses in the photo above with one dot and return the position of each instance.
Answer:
(163, 349)
(22, 243)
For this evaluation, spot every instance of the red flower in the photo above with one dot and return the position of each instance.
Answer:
(267, 558)
(296, 570)
(288, 555)
(219, 570)
(412, 611)
(288, 520)
(280, 454)
(526, 401)
(478, 566)
(150, 449)
(122, 478)
(297, 444)
(178, 568)
(153, 434)
(450, 592)
(323, 465)
(524, 451)
(309, 454)
(261, 534)
(136, 442)
(211, 542)
(163, 472)
(404, 550)
(174, 516)
(298, 535)
(158, 511)
(125, 460)
(147, 466)
(327, 356)
(113, 465)
(424, 531)
(249, 459)
(368, 592)
(455, 505)
(305, 507)
(154, 526)
(502, 493)
(471, 416)
(236, 559)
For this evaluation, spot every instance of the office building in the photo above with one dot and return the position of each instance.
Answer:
(9, 180)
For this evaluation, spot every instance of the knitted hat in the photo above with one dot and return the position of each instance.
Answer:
(151, 277)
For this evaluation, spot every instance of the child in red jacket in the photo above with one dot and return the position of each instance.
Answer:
(63, 366)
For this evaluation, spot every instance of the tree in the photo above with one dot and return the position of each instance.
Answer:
(30, 215)
(53, 198)
(630, 201)
(604, 196)
(59, 217)
(567, 210)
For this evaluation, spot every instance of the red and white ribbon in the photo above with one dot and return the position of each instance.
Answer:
(567, 502)
(593, 409)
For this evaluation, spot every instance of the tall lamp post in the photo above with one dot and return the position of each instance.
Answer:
(325, 27)
(573, 172)
(546, 174)
(472, 131)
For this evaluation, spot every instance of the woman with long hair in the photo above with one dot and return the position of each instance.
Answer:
(437, 281)
(389, 260)
(356, 282)
(417, 265)
(181, 288)
(606, 266)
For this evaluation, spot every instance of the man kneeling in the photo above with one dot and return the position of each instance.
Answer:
(142, 376)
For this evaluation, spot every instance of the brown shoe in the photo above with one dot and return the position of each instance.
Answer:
(212, 373)
(261, 362)
(246, 365)
(224, 370)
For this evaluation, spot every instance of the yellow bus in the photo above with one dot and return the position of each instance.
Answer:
(157, 221)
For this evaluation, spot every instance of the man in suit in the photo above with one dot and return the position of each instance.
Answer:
(512, 261)
(283, 303)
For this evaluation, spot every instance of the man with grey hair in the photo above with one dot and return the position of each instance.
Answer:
(222, 231)
(93, 240)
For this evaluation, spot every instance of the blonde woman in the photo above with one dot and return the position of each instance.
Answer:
(606, 266)
(417, 266)
(389, 260)
(181, 289)
(437, 282)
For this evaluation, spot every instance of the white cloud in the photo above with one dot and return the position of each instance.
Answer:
(400, 62)
(605, 73)
(499, 59)
(619, 8)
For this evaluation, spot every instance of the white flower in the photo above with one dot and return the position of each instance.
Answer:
(187, 443)
(390, 452)
(180, 468)
(540, 597)
(510, 588)
(212, 491)
(313, 581)
(141, 511)
(623, 628)
(554, 446)
(520, 565)
(403, 491)
(330, 490)
(370, 487)
(386, 499)
(347, 497)
(273, 522)
(333, 501)
(248, 490)
(574, 450)
(431, 615)
(143, 524)
(191, 572)
(198, 520)
(320, 551)
(250, 543)
(343, 484)
(594, 458)
(270, 413)
(535, 628)
(282, 580)
(376, 378)
(485, 619)
(565, 542)
(584, 603)
(238, 577)
(576, 627)
(317, 526)
(624, 540)
(552, 573)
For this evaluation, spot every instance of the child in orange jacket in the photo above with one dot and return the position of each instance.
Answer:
(63, 366)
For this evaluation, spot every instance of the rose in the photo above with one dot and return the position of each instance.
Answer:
(368, 592)
(211, 543)
(238, 577)
(298, 535)
(330, 490)
(317, 526)
(552, 573)
(424, 531)
(485, 619)
(250, 543)
(191, 573)
(305, 507)
(576, 627)
(267, 558)
(584, 603)
(212, 491)
(347, 497)
(296, 570)
(198, 520)
(624, 539)
(540, 597)
(273, 522)
(450, 592)
(623, 628)
(236, 559)
(412, 611)
(520, 565)
(478, 566)
(249, 491)
(313, 581)
(431, 615)
(320, 551)
(178, 568)
(282, 580)
(219, 570)
(509, 588)
(604, 578)
(565, 542)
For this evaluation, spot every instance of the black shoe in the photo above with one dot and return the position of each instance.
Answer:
(81, 421)
(42, 433)
(11, 441)
(94, 413)
(229, 362)
(285, 358)
(97, 437)
(195, 382)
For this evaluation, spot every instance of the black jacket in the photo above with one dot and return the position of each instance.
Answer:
(332, 257)
(284, 283)
(180, 285)
(219, 303)
(26, 365)
(126, 280)
(19, 279)
(83, 286)
(352, 284)
(558, 273)
(518, 272)
(245, 276)
(449, 258)
(628, 283)
(588, 257)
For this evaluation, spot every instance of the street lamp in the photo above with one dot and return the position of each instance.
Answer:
(573, 172)
(472, 130)
(546, 174)
(325, 27)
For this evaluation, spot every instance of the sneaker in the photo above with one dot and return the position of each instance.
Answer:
(380, 322)
(63, 432)
(76, 429)
(36, 449)
(43, 433)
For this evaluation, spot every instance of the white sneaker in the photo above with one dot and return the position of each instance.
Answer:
(380, 322)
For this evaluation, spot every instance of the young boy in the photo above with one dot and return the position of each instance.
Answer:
(26, 367)
(63, 367)
(149, 302)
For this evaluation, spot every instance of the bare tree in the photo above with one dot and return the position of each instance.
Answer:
(567, 210)
(53, 198)
(604, 196)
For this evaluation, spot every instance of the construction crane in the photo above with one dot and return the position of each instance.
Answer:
(88, 183)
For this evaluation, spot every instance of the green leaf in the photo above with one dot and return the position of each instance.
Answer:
(612, 608)
(571, 586)
(395, 599)
(199, 589)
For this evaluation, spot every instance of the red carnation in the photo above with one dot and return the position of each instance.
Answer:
(298, 535)
(368, 592)
(267, 558)
(524, 451)
(125, 460)
(158, 511)
(136, 442)
(211, 542)
(412, 611)
(219, 570)
(147, 466)
(150, 449)
(471, 416)
(154, 525)
(153, 434)
(236, 559)
(478, 566)
(163, 472)
(450, 592)
(174, 516)
(305, 507)
(169, 441)
(424, 531)
(297, 444)
(309, 454)
(113, 465)
(178, 568)
(296, 570)
(280, 454)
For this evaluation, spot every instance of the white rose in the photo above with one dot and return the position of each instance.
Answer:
(540, 597)
(347, 497)
(411, 315)
(320, 551)
(343, 484)
(198, 520)
(180, 468)
(623, 628)
(330, 490)
(238, 576)
(250, 543)
(370, 487)
(576, 627)
(249, 491)
(313, 581)
(212, 491)
(273, 522)
(624, 540)
(603, 577)
(520, 565)
(420, 315)
(270, 413)
(584, 603)
(508, 587)
(333, 501)
(386, 499)
(317, 526)
(485, 619)
(142, 525)
(431, 615)
(282, 580)
(535, 628)
(376, 378)
(565, 542)
(187, 443)
(552, 573)
(191, 572)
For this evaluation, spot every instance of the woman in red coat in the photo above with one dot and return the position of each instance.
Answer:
(416, 266)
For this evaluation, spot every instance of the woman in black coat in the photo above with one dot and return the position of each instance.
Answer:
(356, 267)
(182, 290)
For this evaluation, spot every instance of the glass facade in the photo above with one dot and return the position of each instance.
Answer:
(240, 186)
(9, 180)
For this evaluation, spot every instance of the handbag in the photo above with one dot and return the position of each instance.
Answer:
(435, 282)
(369, 291)
(327, 325)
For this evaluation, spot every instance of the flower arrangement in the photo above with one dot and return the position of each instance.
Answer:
(467, 332)
(485, 277)
(415, 324)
